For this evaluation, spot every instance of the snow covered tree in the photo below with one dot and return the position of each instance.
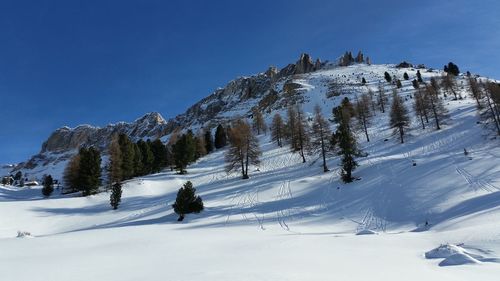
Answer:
(48, 186)
(399, 120)
(363, 114)
(243, 148)
(277, 129)
(258, 123)
(320, 133)
(220, 137)
(116, 195)
(187, 201)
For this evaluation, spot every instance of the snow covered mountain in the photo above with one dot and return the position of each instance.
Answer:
(425, 203)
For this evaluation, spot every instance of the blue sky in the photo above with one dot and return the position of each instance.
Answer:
(99, 62)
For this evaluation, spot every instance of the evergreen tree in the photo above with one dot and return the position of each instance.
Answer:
(18, 176)
(399, 116)
(320, 133)
(363, 113)
(419, 77)
(359, 57)
(277, 129)
(405, 76)
(363, 81)
(127, 156)
(89, 170)
(243, 148)
(415, 84)
(147, 157)
(452, 68)
(116, 195)
(138, 166)
(387, 77)
(160, 156)
(48, 186)
(398, 84)
(220, 137)
(209, 142)
(184, 151)
(187, 201)
(258, 123)
(346, 140)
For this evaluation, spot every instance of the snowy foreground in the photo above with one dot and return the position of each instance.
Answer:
(289, 221)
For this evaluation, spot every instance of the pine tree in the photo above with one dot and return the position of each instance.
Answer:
(452, 69)
(320, 133)
(209, 142)
(89, 170)
(243, 148)
(48, 186)
(137, 160)
(160, 155)
(187, 201)
(116, 195)
(363, 113)
(399, 116)
(127, 156)
(184, 151)
(405, 76)
(419, 77)
(415, 84)
(258, 123)
(346, 140)
(387, 77)
(363, 81)
(277, 129)
(220, 137)
(147, 157)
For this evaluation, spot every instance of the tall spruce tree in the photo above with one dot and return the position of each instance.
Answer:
(184, 151)
(160, 155)
(147, 157)
(387, 77)
(127, 156)
(89, 170)
(400, 120)
(345, 140)
(115, 162)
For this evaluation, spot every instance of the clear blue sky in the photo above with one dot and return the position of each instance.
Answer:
(97, 62)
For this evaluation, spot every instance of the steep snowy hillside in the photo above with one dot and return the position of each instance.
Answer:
(426, 204)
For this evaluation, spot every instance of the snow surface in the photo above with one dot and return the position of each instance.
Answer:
(289, 221)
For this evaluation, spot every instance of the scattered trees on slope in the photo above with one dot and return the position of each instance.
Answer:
(345, 139)
(320, 133)
(363, 114)
(277, 130)
(258, 123)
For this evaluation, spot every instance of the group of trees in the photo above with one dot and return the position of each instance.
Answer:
(487, 96)
(83, 172)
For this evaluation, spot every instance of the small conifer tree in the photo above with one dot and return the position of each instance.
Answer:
(187, 201)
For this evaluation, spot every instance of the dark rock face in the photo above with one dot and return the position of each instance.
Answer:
(404, 64)
(304, 64)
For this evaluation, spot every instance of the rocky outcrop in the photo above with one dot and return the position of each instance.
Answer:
(304, 64)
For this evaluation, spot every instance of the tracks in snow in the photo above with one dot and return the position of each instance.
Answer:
(475, 182)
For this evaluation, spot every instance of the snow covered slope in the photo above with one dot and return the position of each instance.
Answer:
(289, 221)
